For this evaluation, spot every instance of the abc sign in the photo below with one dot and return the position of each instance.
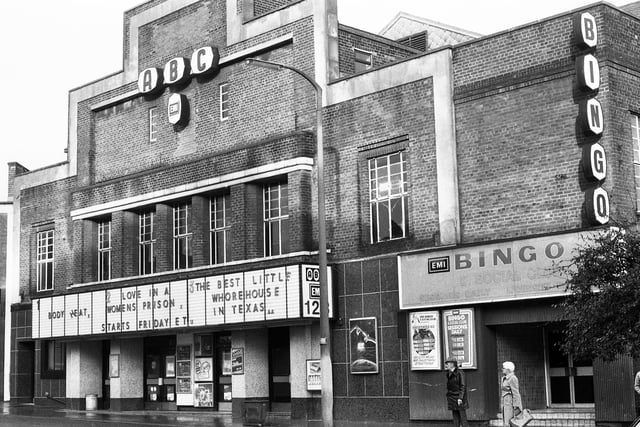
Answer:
(150, 80)
(204, 60)
(597, 206)
(177, 110)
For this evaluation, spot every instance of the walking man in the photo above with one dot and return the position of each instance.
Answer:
(456, 393)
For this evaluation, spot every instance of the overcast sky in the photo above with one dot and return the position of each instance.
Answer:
(48, 47)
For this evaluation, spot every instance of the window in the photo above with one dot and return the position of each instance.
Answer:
(45, 260)
(220, 209)
(363, 60)
(182, 257)
(388, 197)
(104, 250)
(224, 101)
(276, 219)
(53, 359)
(146, 254)
(153, 124)
(635, 138)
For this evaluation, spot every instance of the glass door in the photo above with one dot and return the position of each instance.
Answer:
(570, 379)
(160, 372)
(279, 369)
(223, 371)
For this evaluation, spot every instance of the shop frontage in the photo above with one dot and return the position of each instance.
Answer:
(207, 343)
(490, 303)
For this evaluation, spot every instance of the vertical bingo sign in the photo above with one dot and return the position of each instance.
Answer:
(311, 291)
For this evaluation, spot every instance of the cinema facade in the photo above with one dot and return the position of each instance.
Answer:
(171, 262)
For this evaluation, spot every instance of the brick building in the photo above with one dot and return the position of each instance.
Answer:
(170, 262)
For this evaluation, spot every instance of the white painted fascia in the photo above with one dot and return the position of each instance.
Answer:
(247, 175)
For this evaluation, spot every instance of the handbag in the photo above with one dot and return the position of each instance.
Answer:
(522, 419)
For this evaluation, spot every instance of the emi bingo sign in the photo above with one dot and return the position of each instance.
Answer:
(311, 291)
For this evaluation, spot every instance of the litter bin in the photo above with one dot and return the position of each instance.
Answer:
(91, 402)
(254, 412)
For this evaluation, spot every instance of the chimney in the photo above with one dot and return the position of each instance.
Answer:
(15, 169)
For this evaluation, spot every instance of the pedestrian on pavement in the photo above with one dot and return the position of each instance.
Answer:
(511, 399)
(636, 383)
(456, 393)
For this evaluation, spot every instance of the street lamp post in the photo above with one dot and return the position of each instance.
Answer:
(325, 342)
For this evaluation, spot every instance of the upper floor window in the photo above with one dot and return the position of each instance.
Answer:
(388, 197)
(153, 124)
(224, 101)
(635, 138)
(146, 243)
(363, 60)
(104, 250)
(276, 219)
(44, 260)
(220, 208)
(182, 255)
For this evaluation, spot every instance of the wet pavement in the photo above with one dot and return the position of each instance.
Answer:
(31, 415)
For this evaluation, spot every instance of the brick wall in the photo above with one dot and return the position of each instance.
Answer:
(352, 126)
(384, 50)
(42, 208)
(257, 110)
(524, 346)
(167, 37)
(263, 7)
(518, 136)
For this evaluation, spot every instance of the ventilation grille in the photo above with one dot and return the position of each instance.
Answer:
(416, 41)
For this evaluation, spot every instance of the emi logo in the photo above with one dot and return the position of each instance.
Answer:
(439, 265)
(314, 291)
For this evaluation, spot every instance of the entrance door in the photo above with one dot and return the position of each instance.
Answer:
(570, 379)
(159, 372)
(223, 372)
(106, 380)
(279, 369)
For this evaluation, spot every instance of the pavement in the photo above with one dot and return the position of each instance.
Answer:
(29, 415)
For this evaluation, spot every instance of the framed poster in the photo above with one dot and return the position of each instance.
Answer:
(425, 340)
(363, 345)
(170, 366)
(226, 362)
(204, 369)
(114, 365)
(203, 395)
(314, 376)
(171, 393)
(237, 361)
(184, 385)
(184, 368)
(460, 337)
(184, 352)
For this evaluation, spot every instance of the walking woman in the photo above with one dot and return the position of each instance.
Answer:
(510, 391)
